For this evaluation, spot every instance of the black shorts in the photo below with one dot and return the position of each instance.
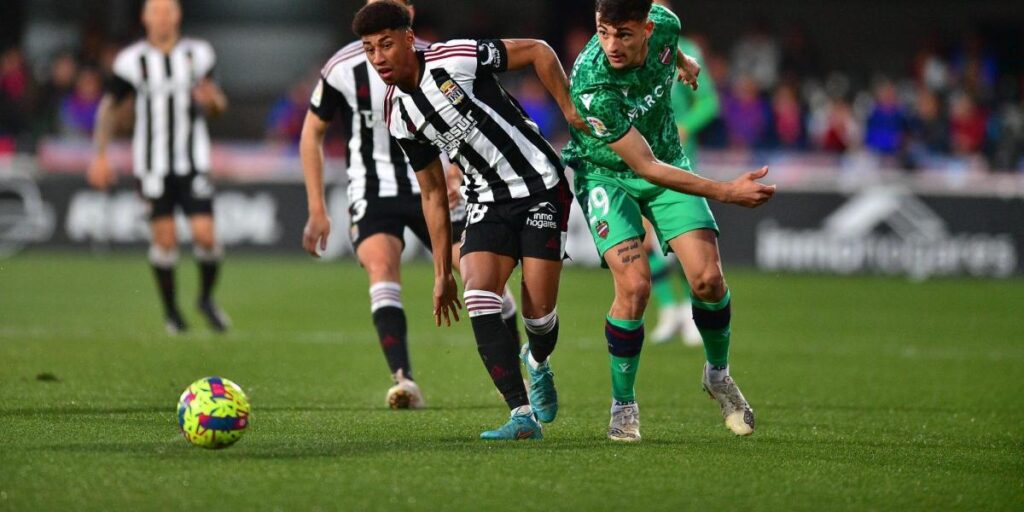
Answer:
(389, 215)
(192, 192)
(531, 227)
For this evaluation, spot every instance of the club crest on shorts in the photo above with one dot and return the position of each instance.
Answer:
(353, 233)
(665, 57)
(453, 92)
(602, 229)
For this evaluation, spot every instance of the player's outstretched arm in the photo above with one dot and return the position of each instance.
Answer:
(100, 175)
(318, 226)
(434, 195)
(527, 52)
(743, 191)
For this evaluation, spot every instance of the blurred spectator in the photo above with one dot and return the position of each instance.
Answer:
(967, 125)
(78, 108)
(1007, 136)
(835, 128)
(975, 68)
(745, 114)
(929, 128)
(60, 80)
(536, 101)
(887, 123)
(788, 119)
(288, 113)
(757, 55)
(14, 92)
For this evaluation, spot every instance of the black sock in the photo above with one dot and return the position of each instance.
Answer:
(208, 271)
(513, 328)
(391, 331)
(543, 335)
(500, 354)
(165, 285)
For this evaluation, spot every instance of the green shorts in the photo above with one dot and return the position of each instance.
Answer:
(615, 202)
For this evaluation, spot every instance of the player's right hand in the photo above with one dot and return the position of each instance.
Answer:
(446, 300)
(315, 234)
(748, 192)
(99, 174)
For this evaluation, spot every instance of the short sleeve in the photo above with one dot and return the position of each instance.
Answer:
(124, 75)
(420, 153)
(204, 58)
(491, 56)
(325, 101)
(606, 112)
(118, 87)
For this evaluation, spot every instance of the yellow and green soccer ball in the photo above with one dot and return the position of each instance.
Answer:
(213, 413)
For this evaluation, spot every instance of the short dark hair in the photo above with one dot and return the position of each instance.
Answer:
(617, 12)
(381, 16)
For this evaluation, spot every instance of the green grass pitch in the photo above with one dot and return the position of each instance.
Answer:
(870, 393)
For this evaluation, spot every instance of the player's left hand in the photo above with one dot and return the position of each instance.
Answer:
(446, 300)
(689, 70)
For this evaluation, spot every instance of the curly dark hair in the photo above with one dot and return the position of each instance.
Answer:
(380, 16)
(617, 12)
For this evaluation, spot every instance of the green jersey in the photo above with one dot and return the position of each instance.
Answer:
(613, 101)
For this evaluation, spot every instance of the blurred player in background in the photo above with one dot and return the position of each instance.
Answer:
(621, 84)
(694, 110)
(384, 199)
(171, 78)
(448, 98)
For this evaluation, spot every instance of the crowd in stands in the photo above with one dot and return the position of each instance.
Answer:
(955, 103)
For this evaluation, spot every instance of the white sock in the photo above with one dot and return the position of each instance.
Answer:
(716, 375)
(522, 410)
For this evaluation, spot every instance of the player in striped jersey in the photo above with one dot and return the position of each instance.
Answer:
(384, 200)
(447, 99)
(171, 78)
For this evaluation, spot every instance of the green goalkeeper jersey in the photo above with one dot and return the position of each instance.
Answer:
(613, 101)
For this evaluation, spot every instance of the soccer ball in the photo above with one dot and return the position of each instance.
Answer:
(213, 413)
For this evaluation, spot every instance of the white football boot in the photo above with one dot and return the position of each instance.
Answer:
(670, 323)
(625, 423)
(739, 417)
(405, 394)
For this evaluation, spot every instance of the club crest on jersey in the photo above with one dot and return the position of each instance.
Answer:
(453, 92)
(602, 229)
(665, 57)
(598, 125)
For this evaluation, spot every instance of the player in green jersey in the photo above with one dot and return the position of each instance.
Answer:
(632, 166)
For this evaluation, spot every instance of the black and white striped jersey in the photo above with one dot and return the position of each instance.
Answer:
(377, 167)
(460, 108)
(170, 131)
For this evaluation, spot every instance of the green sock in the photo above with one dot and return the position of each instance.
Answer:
(661, 285)
(625, 340)
(714, 320)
